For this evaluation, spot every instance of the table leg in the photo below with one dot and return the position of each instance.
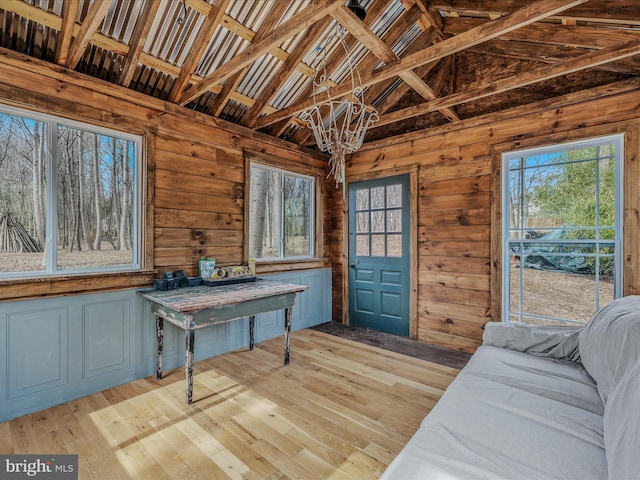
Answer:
(287, 334)
(252, 331)
(159, 345)
(189, 337)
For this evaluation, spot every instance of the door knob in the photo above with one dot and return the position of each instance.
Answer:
(352, 265)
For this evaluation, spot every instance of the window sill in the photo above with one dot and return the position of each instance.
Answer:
(24, 288)
(281, 266)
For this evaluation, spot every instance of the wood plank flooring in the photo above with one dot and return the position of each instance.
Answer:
(340, 410)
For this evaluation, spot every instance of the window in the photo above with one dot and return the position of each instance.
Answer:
(281, 216)
(68, 196)
(562, 230)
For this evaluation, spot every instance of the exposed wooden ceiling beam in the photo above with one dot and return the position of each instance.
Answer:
(434, 20)
(600, 11)
(587, 60)
(273, 17)
(53, 21)
(554, 34)
(34, 13)
(286, 69)
(381, 50)
(551, 43)
(294, 25)
(538, 52)
(370, 61)
(69, 14)
(363, 34)
(554, 103)
(414, 81)
(487, 31)
(198, 48)
(374, 91)
(91, 23)
(376, 9)
(138, 38)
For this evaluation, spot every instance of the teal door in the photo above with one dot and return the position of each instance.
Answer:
(379, 254)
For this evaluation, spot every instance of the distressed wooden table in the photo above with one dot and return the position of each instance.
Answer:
(192, 308)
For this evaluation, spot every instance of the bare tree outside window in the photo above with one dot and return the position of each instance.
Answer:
(22, 187)
(280, 214)
(93, 213)
(94, 199)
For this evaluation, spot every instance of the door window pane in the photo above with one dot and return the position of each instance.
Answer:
(362, 222)
(362, 199)
(377, 245)
(362, 245)
(394, 196)
(382, 218)
(377, 197)
(394, 220)
(394, 245)
(377, 221)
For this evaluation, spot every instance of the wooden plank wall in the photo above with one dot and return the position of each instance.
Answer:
(458, 205)
(196, 163)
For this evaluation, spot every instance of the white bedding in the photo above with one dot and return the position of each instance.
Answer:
(510, 415)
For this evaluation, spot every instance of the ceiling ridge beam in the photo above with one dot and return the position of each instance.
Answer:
(291, 27)
(431, 19)
(487, 31)
(545, 72)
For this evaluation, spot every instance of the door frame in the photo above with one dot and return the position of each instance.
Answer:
(412, 171)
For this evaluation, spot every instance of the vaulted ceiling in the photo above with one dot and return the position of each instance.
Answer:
(424, 63)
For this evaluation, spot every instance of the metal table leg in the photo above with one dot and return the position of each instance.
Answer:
(189, 338)
(252, 331)
(159, 345)
(287, 334)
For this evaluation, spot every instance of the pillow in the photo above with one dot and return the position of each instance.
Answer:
(610, 343)
(541, 340)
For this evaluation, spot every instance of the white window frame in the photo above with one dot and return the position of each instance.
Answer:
(618, 142)
(50, 268)
(312, 211)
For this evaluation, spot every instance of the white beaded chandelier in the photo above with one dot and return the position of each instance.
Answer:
(340, 123)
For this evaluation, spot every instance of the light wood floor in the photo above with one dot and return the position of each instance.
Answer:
(341, 409)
